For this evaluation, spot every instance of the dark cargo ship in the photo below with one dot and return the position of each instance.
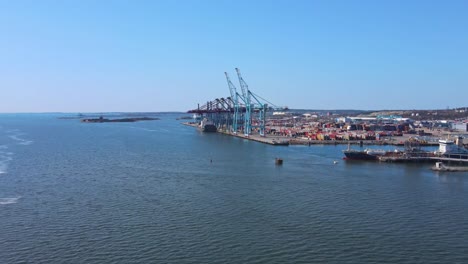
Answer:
(207, 126)
(367, 154)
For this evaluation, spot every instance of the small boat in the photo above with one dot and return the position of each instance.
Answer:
(279, 161)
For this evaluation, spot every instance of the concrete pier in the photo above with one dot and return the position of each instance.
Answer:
(271, 140)
(284, 140)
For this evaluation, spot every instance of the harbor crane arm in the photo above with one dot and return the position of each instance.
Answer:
(244, 86)
(273, 106)
(232, 89)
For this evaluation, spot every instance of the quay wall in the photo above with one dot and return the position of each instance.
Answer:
(295, 141)
(273, 139)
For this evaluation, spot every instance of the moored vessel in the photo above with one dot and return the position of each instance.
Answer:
(452, 149)
(358, 155)
(207, 126)
(366, 154)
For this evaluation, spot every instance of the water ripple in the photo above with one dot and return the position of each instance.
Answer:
(4, 201)
(106, 194)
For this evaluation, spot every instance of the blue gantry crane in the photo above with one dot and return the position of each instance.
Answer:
(256, 109)
(235, 104)
(248, 106)
(245, 112)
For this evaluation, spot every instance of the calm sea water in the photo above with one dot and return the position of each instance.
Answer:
(148, 193)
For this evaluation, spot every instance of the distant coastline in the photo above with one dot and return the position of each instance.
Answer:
(117, 120)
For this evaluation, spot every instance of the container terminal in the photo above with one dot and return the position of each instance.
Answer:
(247, 115)
(250, 116)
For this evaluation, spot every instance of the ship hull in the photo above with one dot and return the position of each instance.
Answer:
(359, 155)
(209, 128)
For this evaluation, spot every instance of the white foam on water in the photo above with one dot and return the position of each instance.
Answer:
(4, 160)
(26, 142)
(15, 137)
(155, 130)
(4, 201)
(148, 129)
(20, 140)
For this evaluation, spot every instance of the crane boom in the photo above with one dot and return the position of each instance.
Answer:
(235, 100)
(232, 89)
(243, 84)
(248, 106)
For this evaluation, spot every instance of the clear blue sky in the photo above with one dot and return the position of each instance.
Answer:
(85, 56)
